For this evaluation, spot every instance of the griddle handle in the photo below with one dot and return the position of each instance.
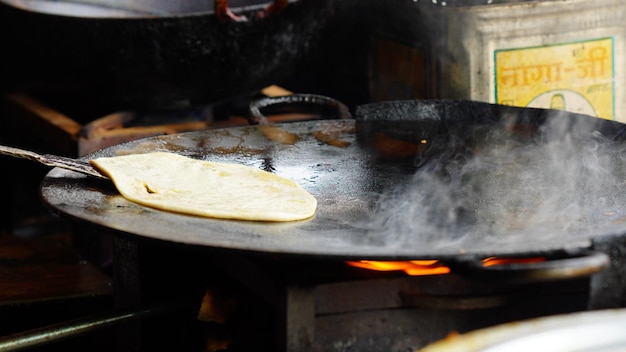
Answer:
(332, 108)
(570, 265)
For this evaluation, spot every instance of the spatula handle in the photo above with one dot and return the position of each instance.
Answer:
(52, 160)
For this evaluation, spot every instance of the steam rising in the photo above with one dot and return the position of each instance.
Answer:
(563, 180)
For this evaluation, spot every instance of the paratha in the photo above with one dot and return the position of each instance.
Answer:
(176, 183)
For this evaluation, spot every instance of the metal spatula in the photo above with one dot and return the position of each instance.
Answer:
(53, 160)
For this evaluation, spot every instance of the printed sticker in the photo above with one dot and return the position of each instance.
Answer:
(576, 77)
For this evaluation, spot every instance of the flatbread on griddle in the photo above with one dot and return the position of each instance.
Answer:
(176, 183)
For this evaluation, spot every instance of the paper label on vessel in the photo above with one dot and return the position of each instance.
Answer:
(577, 77)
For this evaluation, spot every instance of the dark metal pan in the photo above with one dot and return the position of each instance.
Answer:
(156, 53)
(401, 181)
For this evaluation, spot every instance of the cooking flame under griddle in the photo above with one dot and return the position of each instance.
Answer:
(433, 267)
(411, 267)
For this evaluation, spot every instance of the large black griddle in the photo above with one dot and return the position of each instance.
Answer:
(347, 182)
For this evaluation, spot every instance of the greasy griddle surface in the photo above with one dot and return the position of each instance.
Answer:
(345, 180)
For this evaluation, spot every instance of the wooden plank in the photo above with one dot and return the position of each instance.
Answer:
(45, 269)
(43, 124)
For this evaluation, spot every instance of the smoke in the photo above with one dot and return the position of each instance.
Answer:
(567, 180)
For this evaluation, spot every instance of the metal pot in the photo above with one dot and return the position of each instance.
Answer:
(152, 53)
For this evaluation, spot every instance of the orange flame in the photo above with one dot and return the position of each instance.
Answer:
(431, 267)
(412, 267)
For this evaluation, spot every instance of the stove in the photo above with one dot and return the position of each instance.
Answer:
(281, 303)
(240, 288)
